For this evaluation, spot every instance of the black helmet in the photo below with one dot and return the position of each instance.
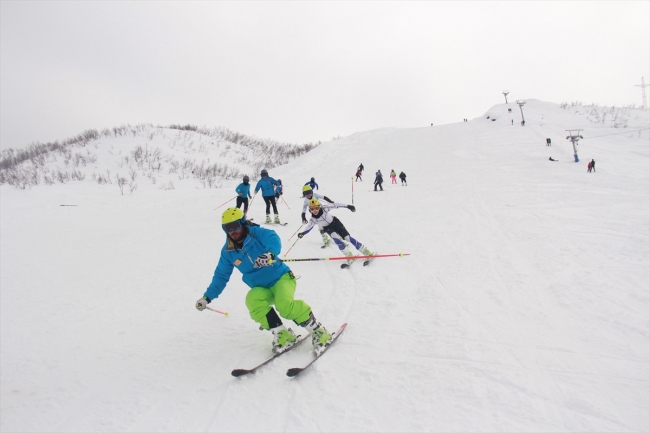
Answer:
(264, 173)
(312, 179)
(246, 179)
(280, 181)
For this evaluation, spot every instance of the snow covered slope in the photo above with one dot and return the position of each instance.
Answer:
(524, 305)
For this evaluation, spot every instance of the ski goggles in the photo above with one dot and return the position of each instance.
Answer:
(306, 193)
(231, 227)
(313, 208)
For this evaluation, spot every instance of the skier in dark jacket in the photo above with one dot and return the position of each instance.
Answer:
(379, 179)
(402, 176)
(312, 183)
(360, 168)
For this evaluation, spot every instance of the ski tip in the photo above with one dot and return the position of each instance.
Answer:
(240, 372)
(345, 266)
(292, 372)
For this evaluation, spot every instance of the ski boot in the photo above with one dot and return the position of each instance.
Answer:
(326, 239)
(320, 338)
(283, 339)
(346, 251)
(365, 251)
(276, 219)
(268, 219)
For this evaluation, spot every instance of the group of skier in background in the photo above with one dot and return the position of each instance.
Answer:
(379, 177)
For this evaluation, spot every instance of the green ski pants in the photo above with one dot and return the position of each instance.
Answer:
(260, 299)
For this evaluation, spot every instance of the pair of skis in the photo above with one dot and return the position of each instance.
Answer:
(292, 372)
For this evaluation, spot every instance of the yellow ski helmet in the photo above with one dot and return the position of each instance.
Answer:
(232, 219)
(314, 203)
(307, 190)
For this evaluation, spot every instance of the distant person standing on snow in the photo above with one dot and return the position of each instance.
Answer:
(402, 176)
(267, 185)
(393, 177)
(593, 165)
(548, 141)
(243, 194)
(358, 176)
(379, 179)
(360, 167)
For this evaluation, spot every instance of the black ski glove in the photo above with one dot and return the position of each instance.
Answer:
(352, 208)
(304, 220)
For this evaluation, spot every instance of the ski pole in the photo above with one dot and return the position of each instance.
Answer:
(225, 313)
(352, 179)
(296, 231)
(285, 202)
(340, 258)
(224, 203)
(285, 254)
(250, 204)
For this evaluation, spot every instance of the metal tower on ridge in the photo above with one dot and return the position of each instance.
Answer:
(574, 136)
(643, 85)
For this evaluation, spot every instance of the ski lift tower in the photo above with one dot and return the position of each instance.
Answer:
(643, 85)
(521, 103)
(574, 136)
(505, 93)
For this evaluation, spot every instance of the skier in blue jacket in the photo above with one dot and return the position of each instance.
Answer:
(267, 184)
(312, 183)
(252, 249)
(243, 191)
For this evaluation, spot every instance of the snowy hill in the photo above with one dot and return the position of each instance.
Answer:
(524, 305)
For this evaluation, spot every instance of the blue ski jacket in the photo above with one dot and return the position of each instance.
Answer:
(267, 185)
(243, 190)
(259, 241)
(313, 185)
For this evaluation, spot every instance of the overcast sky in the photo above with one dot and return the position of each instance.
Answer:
(301, 72)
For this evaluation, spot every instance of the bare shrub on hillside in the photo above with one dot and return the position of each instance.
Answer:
(62, 176)
(77, 175)
(121, 181)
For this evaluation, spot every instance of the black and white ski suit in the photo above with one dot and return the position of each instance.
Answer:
(332, 226)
